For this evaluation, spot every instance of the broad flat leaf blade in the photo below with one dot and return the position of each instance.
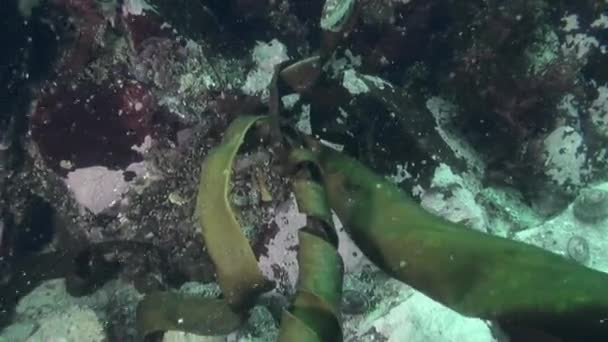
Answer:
(321, 270)
(295, 330)
(474, 273)
(164, 311)
(237, 270)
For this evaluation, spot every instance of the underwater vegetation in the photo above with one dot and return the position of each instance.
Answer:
(323, 170)
(471, 272)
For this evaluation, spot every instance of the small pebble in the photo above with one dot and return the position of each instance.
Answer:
(354, 302)
(578, 249)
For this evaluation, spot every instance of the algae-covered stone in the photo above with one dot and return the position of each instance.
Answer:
(76, 324)
(599, 112)
(591, 205)
(336, 14)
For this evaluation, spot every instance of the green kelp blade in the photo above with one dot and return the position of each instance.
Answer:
(294, 329)
(474, 273)
(164, 311)
(314, 314)
(317, 301)
(237, 270)
(321, 271)
(312, 201)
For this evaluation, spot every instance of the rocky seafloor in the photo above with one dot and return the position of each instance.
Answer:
(490, 113)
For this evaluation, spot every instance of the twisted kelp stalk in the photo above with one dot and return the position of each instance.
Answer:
(476, 274)
(237, 271)
(314, 313)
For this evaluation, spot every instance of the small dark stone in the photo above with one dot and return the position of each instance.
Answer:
(354, 302)
(129, 176)
(36, 229)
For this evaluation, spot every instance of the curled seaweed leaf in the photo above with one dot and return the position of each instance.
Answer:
(238, 275)
(474, 273)
(314, 314)
(163, 311)
(312, 201)
(294, 329)
(237, 271)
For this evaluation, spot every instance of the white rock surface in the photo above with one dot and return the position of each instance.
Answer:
(281, 258)
(49, 313)
(564, 156)
(554, 235)
(420, 319)
(445, 113)
(18, 331)
(97, 188)
(400, 313)
(76, 324)
(599, 111)
(265, 56)
(178, 336)
(451, 198)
